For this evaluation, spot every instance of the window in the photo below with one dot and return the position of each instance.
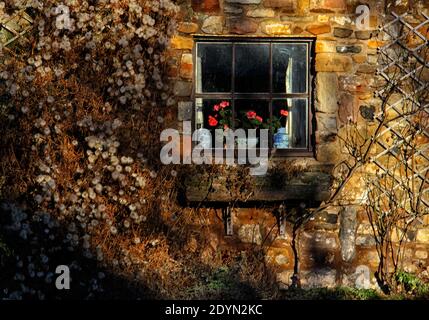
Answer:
(265, 76)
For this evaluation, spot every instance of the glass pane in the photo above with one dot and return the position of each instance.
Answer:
(252, 68)
(213, 113)
(214, 67)
(289, 68)
(291, 118)
(250, 113)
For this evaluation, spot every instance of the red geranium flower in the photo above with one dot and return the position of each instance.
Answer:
(212, 121)
(284, 112)
(251, 114)
(224, 104)
(216, 107)
(258, 118)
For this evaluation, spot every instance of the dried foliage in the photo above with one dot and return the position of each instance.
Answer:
(83, 98)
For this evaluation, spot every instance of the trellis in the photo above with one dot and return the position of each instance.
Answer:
(403, 118)
(13, 30)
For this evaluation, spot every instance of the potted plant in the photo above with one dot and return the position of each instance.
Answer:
(281, 136)
(249, 120)
(276, 125)
(223, 119)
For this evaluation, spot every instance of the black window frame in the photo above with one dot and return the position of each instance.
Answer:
(310, 41)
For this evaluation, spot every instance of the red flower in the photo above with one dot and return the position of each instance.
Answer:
(224, 104)
(284, 113)
(212, 121)
(251, 114)
(258, 118)
(216, 107)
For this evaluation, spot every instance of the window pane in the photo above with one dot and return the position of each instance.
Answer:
(257, 108)
(252, 68)
(213, 113)
(289, 68)
(292, 132)
(214, 67)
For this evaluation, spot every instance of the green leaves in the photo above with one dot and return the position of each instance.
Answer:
(411, 284)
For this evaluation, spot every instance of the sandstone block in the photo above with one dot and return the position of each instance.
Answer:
(184, 110)
(348, 224)
(333, 63)
(327, 152)
(187, 27)
(244, 1)
(232, 9)
(363, 34)
(284, 4)
(182, 88)
(250, 233)
(319, 28)
(213, 25)
(205, 5)
(275, 28)
(342, 32)
(423, 235)
(179, 42)
(326, 92)
(349, 49)
(326, 46)
(348, 108)
(242, 26)
(186, 66)
(261, 13)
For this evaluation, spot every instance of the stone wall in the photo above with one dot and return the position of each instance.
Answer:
(336, 247)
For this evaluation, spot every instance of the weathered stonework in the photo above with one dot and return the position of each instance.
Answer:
(213, 25)
(327, 123)
(348, 233)
(348, 108)
(349, 49)
(179, 42)
(342, 32)
(337, 246)
(333, 63)
(244, 1)
(184, 111)
(319, 28)
(261, 13)
(275, 28)
(186, 66)
(232, 9)
(183, 88)
(242, 26)
(205, 5)
(327, 92)
(363, 34)
(250, 233)
(310, 279)
(187, 27)
(283, 4)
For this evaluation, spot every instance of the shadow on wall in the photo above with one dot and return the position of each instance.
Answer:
(164, 270)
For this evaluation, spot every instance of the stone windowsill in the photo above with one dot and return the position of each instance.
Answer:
(310, 183)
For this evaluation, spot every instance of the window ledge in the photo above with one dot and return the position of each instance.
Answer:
(311, 185)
